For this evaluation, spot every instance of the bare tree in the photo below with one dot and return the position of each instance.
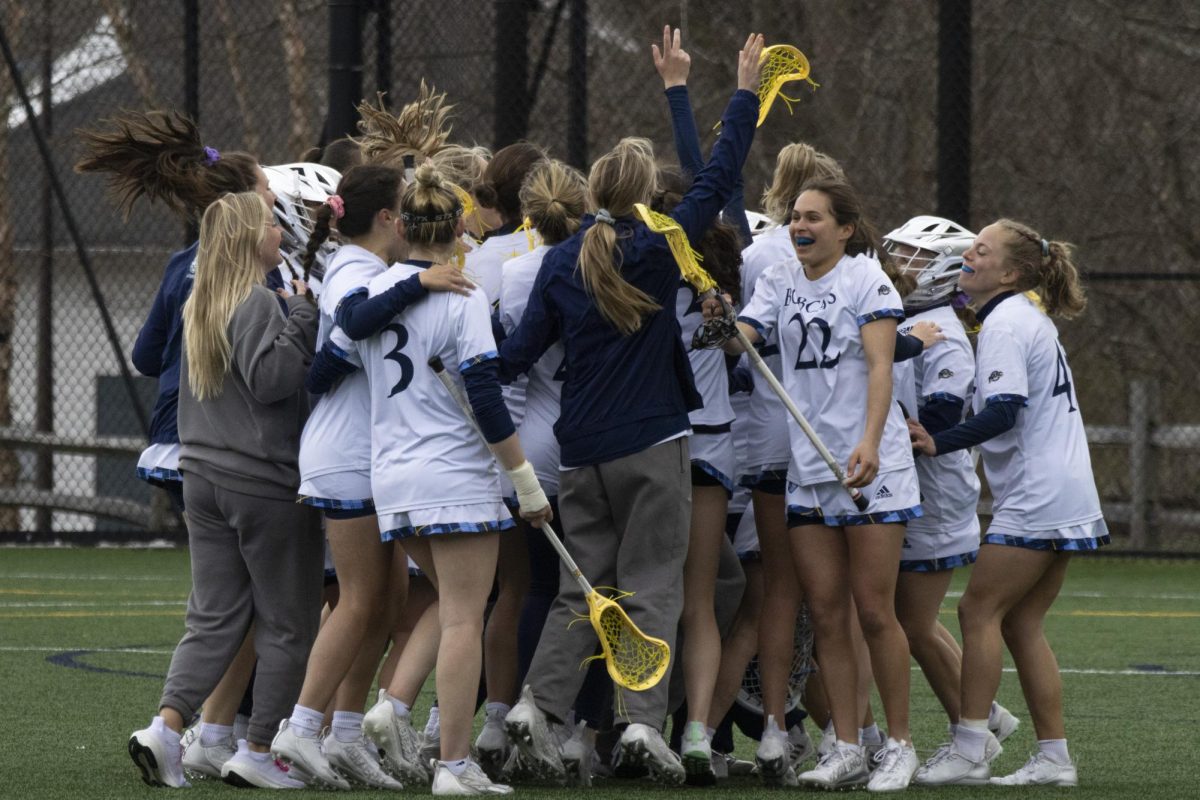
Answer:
(119, 13)
(241, 89)
(294, 57)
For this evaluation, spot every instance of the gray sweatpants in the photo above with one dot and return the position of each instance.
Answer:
(253, 559)
(629, 530)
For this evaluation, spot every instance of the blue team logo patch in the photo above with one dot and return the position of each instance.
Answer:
(885, 289)
(882, 493)
(791, 487)
(946, 373)
(995, 376)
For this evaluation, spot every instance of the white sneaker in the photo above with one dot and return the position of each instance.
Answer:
(828, 740)
(491, 746)
(529, 730)
(1002, 722)
(696, 750)
(397, 742)
(641, 744)
(844, 767)
(948, 767)
(471, 781)
(579, 755)
(1041, 770)
(357, 761)
(774, 757)
(802, 745)
(159, 759)
(245, 771)
(305, 754)
(205, 762)
(732, 766)
(896, 763)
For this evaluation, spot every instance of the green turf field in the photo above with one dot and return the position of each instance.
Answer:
(86, 636)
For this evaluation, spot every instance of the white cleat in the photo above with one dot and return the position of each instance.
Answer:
(244, 771)
(472, 781)
(1041, 770)
(358, 763)
(491, 746)
(948, 767)
(200, 761)
(774, 757)
(802, 744)
(579, 755)
(844, 767)
(696, 749)
(160, 761)
(529, 731)
(398, 743)
(1002, 722)
(641, 744)
(896, 763)
(305, 754)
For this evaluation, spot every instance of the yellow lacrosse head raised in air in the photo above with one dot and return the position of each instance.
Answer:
(781, 63)
(686, 258)
(634, 660)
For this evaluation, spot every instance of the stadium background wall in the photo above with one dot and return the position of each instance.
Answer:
(1080, 117)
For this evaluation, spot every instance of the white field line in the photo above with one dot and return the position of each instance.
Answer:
(32, 576)
(1108, 596)
(102, 604)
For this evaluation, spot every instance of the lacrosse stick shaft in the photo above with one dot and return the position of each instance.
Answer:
(460, 397)
(860, 502)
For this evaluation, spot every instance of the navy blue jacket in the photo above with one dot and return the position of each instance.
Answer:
(157, 351)
(623, 394)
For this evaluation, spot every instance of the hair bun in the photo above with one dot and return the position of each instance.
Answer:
(427, 175)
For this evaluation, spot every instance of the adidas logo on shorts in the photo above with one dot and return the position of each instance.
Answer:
(882, 493)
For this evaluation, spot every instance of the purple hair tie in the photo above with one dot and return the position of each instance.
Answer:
(211, 156)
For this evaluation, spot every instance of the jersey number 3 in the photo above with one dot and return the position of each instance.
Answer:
(406, 364)
(823, 327)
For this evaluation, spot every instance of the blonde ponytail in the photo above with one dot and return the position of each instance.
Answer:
(227, 268)
(1046, 267)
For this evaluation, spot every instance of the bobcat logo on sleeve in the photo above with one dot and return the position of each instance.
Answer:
(946, 373)
(995, 376)
(884, 289)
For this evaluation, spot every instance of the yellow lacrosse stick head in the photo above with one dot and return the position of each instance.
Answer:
(687, 259)
(781, 64)
(634, 660)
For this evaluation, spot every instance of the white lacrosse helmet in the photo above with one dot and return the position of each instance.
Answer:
(295, 187)
(759, 222)
(930, 249)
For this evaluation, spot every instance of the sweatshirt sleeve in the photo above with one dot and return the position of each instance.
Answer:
(271, 352)
(151, 340)
(714, 184)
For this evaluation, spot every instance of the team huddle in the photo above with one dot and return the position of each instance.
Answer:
(388, 372)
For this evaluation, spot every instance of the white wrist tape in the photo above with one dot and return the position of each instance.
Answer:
(529, 492)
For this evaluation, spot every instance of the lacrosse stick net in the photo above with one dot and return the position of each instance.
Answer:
(686, 258)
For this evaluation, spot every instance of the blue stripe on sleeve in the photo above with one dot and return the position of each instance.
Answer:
(883, 313)
(753, 323)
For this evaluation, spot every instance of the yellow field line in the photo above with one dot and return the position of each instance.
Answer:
(88, 614)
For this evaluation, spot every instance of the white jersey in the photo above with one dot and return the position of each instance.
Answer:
(766, 418)
(824, 366)
(708, 366)
(949, 485)
(485, 261)
(337, 435)
(424, 452)
(543, 392)
(1039, 471)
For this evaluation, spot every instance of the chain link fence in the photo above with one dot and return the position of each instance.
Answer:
(1078, 117)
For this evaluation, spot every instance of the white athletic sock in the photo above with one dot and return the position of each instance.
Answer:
(399, 706)
(261, 758)
(497, 710)
(456, 767)
(212, 734)
(347, 726)
(709, 732)
(994, 714)
(870, 735)
(306, 721)
(953, 726)
(433, 726)
(241, 727)
(971, 738)
(1056, 749)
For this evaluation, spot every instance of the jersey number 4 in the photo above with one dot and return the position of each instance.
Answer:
(823, 328)
(406, 364)
(1062, 379)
